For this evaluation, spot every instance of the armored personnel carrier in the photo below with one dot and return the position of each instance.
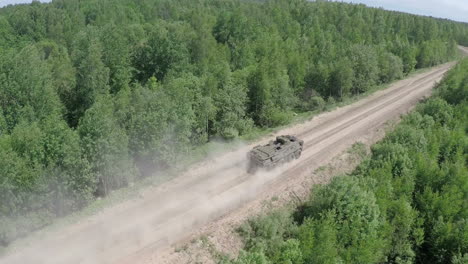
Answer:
(282, 150)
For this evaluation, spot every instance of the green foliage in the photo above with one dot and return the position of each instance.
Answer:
(289, 253)
(250, 258)
(105, 146)
(315, 103)
(391, 67)
(270, 94)
(267, 233)
(165, 49)
(365, 64)
(318, 239)
(342, 79)
(26, 92)
(92, 75)
(407, 204)
(456, 83)
(439, 110)
(68, 172)
(116, 55)
(96, 93)
(356, 218)
(231, 108)
(433, 52)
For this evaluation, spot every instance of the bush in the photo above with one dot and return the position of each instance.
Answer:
(266, 233)
(278, 117)
(407, 204)
(391, 67)
(250, 258)
(438, 109)
(315, 103)
(229, 133)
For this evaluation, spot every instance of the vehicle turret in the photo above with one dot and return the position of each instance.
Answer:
(282, 150)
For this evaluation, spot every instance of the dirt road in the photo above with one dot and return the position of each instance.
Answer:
(172, 211)
(464, 50)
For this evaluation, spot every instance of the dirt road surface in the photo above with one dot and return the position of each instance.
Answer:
(171, 212)
(464, 50)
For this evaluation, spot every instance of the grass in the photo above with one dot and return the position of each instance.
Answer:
(214, 148)
(210, 247)
(183, 248)
(358, 149)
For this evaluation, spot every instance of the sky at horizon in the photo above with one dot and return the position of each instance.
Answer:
(451, 9)
(12, 2)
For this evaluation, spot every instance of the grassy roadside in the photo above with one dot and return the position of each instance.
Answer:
(206, 246)
(197, 155)
(404, 202)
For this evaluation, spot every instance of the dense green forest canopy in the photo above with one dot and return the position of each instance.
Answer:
(95, 94)
(407, 204)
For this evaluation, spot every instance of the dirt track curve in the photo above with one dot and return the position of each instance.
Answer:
(172, 211)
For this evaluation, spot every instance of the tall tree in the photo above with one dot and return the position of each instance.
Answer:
(26, 90)
(92, 75)
(105, 146)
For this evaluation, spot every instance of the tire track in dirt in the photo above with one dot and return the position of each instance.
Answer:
(171, 212)
(422, 87)
(396, 95)
(381, 110)
(376, 102)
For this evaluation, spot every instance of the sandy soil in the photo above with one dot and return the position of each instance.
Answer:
(464, 50)
(220, 239)
(217, 194)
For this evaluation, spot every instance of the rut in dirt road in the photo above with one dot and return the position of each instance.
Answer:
(173, 210)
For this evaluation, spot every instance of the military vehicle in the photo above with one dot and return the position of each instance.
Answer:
(282, 150)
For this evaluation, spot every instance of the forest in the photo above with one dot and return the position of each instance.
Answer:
(407, 203)
(98, 94)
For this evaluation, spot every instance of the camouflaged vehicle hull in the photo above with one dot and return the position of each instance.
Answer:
(280, 151)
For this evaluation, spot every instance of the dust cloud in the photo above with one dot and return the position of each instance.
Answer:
(164, 212)
(170, 212)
